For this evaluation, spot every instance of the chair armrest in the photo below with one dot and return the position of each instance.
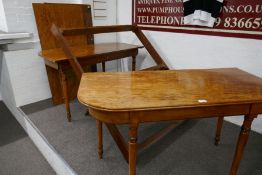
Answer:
(96, 30)
(157, 67)
(119, 28)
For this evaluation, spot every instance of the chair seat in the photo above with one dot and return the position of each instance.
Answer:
(91, 50)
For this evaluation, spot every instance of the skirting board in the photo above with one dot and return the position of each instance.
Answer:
(59, 165)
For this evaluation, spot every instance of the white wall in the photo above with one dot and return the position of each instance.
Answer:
(182, 51)
(108, 37)
(109, 20)
(20, 16)
(3, 25)
(1, 59)
(5, 86)
(27, 76)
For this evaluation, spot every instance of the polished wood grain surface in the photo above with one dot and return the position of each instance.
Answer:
(55, 55)
(168, 89)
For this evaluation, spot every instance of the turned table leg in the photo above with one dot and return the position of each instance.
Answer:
(132, 148)
(242, 141)
(63, 81)
(220, 121)
(133, 63)
(100, 138)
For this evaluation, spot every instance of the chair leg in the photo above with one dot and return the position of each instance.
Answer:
(220, 121)
(133, 63)
(100, 126)
(100, 138)
(63, 81)
(87, 112)
(103, 66)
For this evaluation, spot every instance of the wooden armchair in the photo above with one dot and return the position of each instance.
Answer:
(79, 71)
(160, 64)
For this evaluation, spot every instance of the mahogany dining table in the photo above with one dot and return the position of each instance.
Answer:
(134, 98)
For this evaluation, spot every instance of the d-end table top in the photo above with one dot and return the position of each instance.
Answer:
(56, 55)
(127, 91)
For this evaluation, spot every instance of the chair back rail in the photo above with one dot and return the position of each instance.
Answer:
(120, 28)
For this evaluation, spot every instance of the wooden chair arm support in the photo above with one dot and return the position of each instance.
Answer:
(97, 29)
(64, 45)
(118, 28)
(157, 67)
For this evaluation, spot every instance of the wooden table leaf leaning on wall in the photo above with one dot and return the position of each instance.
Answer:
(175, 95)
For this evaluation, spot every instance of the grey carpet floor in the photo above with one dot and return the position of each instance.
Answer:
(18, 155)
(187, 150)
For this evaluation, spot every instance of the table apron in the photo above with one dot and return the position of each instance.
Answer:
(193, 112)
(256, 109)
(154, 115)
(110, 117)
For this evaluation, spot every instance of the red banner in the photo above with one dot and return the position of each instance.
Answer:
(238, 18)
